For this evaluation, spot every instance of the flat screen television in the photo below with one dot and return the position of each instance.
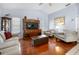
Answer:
(32, 25)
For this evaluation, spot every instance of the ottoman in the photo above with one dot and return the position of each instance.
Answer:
(39, 40)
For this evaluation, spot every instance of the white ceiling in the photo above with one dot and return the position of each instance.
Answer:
(34, 6)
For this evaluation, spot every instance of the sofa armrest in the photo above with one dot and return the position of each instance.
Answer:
(13, 50)
(8, 44)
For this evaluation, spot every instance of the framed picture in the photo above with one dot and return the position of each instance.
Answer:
(59, 24)
(59, 20)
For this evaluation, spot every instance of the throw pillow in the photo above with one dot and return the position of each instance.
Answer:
(8, 35)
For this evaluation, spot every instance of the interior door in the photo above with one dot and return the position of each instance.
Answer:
(15, 25)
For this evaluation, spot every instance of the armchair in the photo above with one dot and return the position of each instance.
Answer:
(49, 33)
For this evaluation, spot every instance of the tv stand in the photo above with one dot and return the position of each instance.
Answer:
(32, 32)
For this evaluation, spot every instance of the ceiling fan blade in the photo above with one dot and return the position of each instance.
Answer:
(40, 3)
(50, 4)
(68, 4)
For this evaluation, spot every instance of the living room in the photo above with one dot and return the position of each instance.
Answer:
(39, 28)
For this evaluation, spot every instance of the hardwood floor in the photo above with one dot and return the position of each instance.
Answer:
(52, 48)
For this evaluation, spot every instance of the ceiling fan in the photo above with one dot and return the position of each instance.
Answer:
(50, 4)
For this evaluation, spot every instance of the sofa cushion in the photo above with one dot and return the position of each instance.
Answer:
(8, 35)
(8, 44)
(3, 36)
(12, 39)
(13, 50)
(1, 39)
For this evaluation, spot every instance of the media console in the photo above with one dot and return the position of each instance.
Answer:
(31, 27)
